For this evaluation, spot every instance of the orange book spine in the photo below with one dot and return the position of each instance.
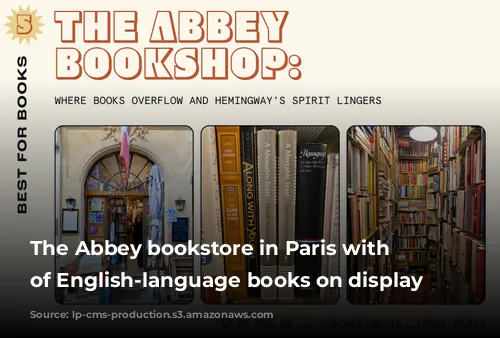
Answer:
(231, 190)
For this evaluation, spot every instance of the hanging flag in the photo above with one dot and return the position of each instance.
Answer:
(125, 148)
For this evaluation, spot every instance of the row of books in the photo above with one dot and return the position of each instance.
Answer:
(412, 196)
(413, 166)
(433, 183)
(474, 162)
(470, 210)
(467, 162)
(449, 177)
(438, 182)
(412, 191)
(263, 184)
(370, 203)
(432, 202)
(414, 256)
(388, 224)
(387, 133)
(463, 191)
(435, 159)
(412, 243)
(363, 135)
(417, 149)
(431, 217)
(362, 211)
(456, 137)
(411, 205)
(447, 207)
(465, 209)
(412, 230)
(385, 148)
(468, 254)
(432, 212)
(433, 234)
(361, 171)
(412, 217)
(384, 197)
(460, 207)
(413, 178)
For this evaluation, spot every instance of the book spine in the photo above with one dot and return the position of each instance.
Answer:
(266, 163)
(250, 202)
(311, 181)
(229, 158)
(330, 264)
(211, 223)
(334, 263)
(287, 159)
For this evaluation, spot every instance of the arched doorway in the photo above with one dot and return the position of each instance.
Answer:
(115, 199)
(108, 175)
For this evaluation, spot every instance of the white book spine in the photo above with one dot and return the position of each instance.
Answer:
(333, 261)
(266, 165)
(287, 176)
(211, 227)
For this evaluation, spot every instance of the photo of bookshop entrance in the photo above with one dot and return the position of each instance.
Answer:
(123, 185)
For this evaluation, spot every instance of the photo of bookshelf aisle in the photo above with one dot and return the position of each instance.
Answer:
(278, 184)
(420, 191)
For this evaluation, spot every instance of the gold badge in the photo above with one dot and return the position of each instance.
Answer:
(24, 24)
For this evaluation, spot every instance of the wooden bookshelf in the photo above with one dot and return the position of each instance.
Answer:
(362, 190)
(412, 235)
(423, 197)
(388, 223)
(381, 169)
(462, 236)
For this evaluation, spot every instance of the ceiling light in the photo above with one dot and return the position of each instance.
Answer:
(423, 134)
